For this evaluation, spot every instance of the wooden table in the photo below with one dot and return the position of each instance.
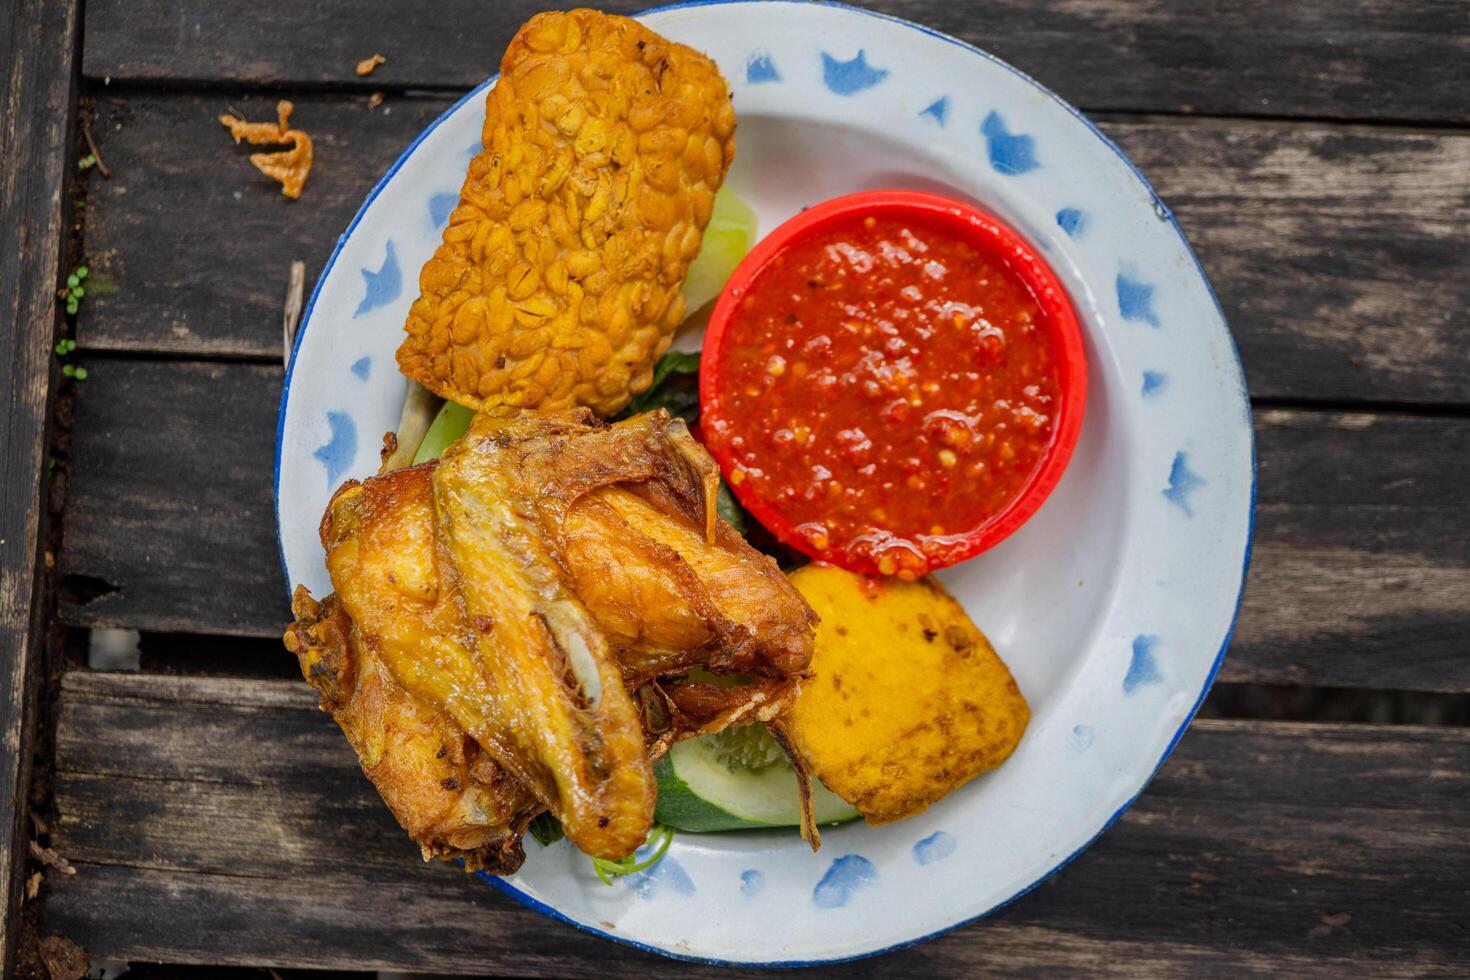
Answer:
(1315, 154)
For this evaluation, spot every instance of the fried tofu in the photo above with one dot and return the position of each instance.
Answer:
(907, 701)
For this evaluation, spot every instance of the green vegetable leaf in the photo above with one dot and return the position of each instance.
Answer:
(675, 387)
(546, 829)
(729, 508)
(608, 870)
(674, 362)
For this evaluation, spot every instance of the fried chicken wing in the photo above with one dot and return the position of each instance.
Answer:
(553, 684)
(547, 587)
(765, 627)
(558, 280)
(452, 798)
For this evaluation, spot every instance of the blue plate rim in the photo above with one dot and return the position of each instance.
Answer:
(534, 904)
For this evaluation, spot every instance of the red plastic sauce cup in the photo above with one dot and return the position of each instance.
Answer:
(997, 243)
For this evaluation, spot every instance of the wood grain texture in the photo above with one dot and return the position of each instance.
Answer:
(225, 821)
(1340, 257)
(1361, 574)
(170, 523)
(37, 48)
(194, 245)
(1380, 59)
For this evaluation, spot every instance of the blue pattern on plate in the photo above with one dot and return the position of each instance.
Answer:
(937, 109)
(1010, 153)
(440, 207)
(752, 882)
(1136, 300)
(1081, 737)
(1073, 221)
(1143, 669)
(362, 367)
(936, 847)
(760, 68)
(850, 77)
(1182, 482)
(1153, 383)
(668, 875)
(847, 874)
(339, 451)
(383, 286)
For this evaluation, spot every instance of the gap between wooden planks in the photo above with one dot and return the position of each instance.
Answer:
(1379, 59)
(1360, 576)
(37, 106)
(225, 821)
(1339, 257)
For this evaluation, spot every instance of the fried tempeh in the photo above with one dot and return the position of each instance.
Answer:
(557, 283)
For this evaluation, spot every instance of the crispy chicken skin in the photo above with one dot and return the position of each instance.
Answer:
(546, 588)
(555, 698)
(557, 283)
(453, 799)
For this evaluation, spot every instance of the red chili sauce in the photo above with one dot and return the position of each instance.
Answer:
(888, 391)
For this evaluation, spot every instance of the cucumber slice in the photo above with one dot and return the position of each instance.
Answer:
(704, 786)
(451, 422)
(729, 235)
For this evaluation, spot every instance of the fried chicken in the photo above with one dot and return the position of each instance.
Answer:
(453, 799)
(548, 587)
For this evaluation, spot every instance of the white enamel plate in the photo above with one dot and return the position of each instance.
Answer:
(1112, 606)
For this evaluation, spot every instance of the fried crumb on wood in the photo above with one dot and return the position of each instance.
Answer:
(375, 100)
(33, 885)
(367, 66)
(64, 959)
(289, 167)
(51, 859)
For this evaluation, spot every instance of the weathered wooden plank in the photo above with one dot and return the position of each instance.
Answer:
(37, 106)
(1381, 59)
(193, 246)
(1337, 255)
(1361, 575)
(170, 523)
(1267, 848)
